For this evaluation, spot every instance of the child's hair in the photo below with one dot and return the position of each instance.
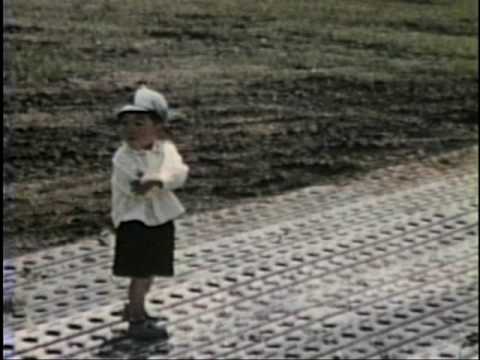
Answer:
(166, 130)
(158, 118)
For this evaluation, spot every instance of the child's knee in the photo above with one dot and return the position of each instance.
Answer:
(140, 281)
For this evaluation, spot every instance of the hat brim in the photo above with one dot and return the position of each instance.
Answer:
(132, 109)
(171, 113)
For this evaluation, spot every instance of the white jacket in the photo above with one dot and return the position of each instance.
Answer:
(157, 206)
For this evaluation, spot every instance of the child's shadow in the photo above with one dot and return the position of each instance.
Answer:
(123, 347)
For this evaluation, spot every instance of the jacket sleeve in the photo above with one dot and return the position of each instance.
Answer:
(121, 191)
(174, 171)
(123, 174)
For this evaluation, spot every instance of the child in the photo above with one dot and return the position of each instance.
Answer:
(146, 168)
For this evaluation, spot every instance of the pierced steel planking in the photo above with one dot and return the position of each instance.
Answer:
(274, 283)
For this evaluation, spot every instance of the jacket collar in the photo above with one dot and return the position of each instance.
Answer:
(157, 148)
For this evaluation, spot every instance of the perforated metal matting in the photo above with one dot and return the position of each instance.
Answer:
(363, 271)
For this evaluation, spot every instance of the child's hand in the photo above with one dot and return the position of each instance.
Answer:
(153, 183)
(141, 188)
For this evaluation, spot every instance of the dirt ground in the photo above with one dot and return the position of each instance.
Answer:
(276, 97)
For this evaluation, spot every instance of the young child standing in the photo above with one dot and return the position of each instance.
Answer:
(146, 170)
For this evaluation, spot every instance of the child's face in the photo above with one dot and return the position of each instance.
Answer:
(138, 129)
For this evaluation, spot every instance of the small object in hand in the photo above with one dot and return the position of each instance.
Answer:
(135, 186)
(142, 187)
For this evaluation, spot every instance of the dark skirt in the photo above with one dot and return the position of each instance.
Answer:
(144, 251)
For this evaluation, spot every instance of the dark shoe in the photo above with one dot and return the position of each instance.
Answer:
(125, 315)
(145, 330)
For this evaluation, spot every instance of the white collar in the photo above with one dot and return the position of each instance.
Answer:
(157, 147)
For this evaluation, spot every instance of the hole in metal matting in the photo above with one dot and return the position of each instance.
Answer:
(255, 352)
(181, 312)
(407, 351)
(52, 333)
(98, 337)
(448, 299)
(311, 348)
(424, 344)
(213, 284)
(96, 320)
(361, 350)
(293, 338)
(30, 339)
(460, 312)
(417, 310)
(358, 241)
(286, 324)
(60, 291)
(412, 330)
(292, 356)
(74, 327)
(400, 316)
(53, 351)
(349, 335)
(447, 355)
(363, 313)
(200, 306)
(396, 337)
(366, 328)
(331, 325)
(384, 322)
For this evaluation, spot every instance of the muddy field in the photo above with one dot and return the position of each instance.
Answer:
(277, 95)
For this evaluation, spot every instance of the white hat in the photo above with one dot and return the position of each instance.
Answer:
(149, 101)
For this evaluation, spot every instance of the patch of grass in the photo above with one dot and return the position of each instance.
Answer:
(374, 35)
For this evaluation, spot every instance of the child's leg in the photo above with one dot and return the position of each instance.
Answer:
(148, 284)
(136, 294)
